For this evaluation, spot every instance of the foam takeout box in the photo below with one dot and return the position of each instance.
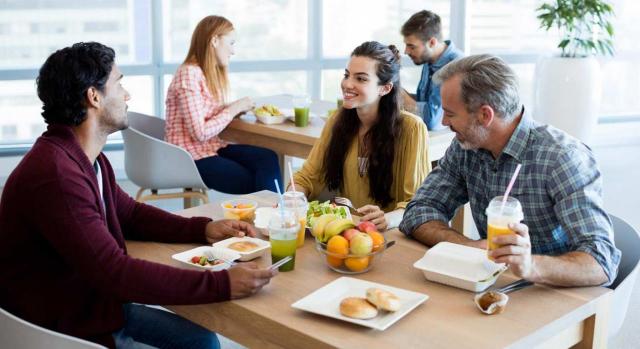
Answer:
(248, 255)
(459, 266)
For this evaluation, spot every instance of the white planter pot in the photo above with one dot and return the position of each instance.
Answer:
(568, 93)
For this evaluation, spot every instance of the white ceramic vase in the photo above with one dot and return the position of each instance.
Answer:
(568, 93)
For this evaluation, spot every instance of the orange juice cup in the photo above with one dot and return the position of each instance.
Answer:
(301, 232)
(499, 218)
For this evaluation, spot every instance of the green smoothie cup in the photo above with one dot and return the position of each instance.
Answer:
(301, 110)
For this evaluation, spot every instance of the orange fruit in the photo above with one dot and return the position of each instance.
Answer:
(378, 240)
(357, 264)
(338, 246)
(335, 262)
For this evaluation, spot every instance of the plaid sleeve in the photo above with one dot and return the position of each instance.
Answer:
(204, 119)
(441, 193)
(576, 187)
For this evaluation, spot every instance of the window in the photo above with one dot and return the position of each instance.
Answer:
(265, 30)
(508, 26)
(510, 29)
(32, 30)
(283, 46)
(19, 109)
(347, 24)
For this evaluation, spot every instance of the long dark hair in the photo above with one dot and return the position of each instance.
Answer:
(380, 138)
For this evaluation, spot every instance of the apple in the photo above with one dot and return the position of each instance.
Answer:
(361, 244)
(366, 226)
(350, 233)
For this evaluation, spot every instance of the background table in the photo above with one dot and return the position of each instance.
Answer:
(287, 139)
(536, 316)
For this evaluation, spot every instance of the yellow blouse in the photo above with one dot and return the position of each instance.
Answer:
(410, 166)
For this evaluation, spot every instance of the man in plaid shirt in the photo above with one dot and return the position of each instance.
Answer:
(566, 237)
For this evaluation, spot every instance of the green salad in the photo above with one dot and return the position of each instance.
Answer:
(317, 209)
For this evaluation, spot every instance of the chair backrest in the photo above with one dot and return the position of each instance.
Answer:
(147, 124)
(628, 241)
(152, 163)
(17, 334)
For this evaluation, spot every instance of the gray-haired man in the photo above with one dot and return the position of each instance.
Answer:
(566, 237)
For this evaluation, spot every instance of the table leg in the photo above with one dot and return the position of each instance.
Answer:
(596, 326)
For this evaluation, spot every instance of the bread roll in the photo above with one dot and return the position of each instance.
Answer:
(383, 299)
(357, 308)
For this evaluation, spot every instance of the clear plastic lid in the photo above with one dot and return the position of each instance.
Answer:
(283, 225)
(296, 201)
(512, 210)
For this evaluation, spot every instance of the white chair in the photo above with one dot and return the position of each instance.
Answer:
(17, 334)
(153, 164)
(628, 241)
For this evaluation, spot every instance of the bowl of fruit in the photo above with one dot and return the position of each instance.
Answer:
(240, 209)
(345, 247)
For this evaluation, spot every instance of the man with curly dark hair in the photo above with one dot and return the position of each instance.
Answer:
(64, 221)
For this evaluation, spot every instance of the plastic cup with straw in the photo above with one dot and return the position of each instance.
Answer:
(283, 230)
(281, 199)
(502, 211)
(293, 184)
(300, 206)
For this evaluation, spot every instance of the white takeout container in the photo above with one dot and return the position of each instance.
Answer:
(459, 266)
(249, 255)
(226, 254)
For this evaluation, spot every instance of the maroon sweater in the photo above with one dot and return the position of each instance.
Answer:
(63, 260)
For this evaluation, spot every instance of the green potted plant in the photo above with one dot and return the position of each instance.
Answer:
(568, 86)
(584, 23)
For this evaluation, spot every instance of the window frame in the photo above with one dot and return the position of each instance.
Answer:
(314, 64)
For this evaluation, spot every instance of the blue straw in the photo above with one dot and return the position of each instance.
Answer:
(281, 199)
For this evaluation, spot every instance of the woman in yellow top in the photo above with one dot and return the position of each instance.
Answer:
(370, 151)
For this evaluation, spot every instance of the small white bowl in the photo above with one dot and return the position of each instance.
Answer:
(270, 120)
(248, 255)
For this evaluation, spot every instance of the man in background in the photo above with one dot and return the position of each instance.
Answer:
(424, 45)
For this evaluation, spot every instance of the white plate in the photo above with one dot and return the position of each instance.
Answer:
(249, 255)
(459, 266)
(185, 257)
(326, 301)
